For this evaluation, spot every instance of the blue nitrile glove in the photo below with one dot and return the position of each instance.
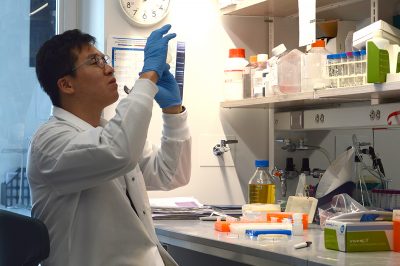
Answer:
(168, 90)
(155, 51)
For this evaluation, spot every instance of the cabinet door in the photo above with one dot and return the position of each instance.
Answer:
(350, 117)
(282, 121)
(289, 120)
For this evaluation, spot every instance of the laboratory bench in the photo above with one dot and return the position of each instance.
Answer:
(197, 243)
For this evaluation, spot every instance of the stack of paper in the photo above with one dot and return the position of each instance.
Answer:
(178, 208)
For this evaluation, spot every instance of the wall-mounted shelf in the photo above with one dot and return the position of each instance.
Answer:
(281, 8)
(376, 93)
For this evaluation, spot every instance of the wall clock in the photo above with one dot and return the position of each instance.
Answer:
(145, 13)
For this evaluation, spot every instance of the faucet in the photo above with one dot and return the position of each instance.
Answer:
(299, 145)
(219, 149)
(289, 173)
(280, 174)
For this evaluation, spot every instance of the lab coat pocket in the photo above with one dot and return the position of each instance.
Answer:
(137, 188)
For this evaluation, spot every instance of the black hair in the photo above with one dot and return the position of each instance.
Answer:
(57, 57)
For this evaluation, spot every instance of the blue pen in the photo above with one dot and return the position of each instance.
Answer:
(255, 232)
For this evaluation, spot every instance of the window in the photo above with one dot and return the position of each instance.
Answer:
(25, 25)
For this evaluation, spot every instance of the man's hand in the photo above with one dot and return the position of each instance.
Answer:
(155, 51)
(168, 90)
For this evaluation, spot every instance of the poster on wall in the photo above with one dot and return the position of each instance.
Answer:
(127, 56)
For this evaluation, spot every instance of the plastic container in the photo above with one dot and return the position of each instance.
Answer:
(281, 216)
(267, 89)
(388, 199)
(289, 72)
(297, 224)
(272, 78)
(379, 41)
(258, 211)
(258, 79)
(363, 55)
(261, 185)
(248, 74)
(233, 73)
(351, 66)
(315, 76)
(358, 79)
(332, 60)
(343, 70)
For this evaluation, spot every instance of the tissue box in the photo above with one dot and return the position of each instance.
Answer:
(358, 236)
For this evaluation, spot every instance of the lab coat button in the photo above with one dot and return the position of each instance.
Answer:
(133, 179)
(144, 212)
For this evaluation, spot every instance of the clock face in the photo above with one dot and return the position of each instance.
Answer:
(145, 12)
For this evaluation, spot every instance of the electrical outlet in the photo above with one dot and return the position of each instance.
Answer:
(206, 155)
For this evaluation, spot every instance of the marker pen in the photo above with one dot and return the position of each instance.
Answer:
(303, 245)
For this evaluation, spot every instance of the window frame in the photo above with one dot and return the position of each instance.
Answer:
(67, 12)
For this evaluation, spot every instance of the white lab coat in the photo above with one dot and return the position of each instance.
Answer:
(79, 176)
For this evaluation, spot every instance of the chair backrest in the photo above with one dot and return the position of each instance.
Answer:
(23, 240)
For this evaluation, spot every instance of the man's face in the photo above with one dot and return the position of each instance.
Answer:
(94, 86)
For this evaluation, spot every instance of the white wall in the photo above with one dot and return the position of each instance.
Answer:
(208, 36)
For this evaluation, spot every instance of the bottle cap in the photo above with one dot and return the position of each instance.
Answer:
(318, 43)
(253, 59)
(262, 58)
(237, 52)
(262, 163)
(278, 50)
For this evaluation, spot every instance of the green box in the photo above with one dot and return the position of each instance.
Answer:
(377, 63)
(358, 236)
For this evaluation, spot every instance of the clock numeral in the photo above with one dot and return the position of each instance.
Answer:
(129, 4)
(145, 12)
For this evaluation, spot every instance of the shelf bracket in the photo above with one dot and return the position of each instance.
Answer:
(331, 6)
(271, 36)
(374, 10)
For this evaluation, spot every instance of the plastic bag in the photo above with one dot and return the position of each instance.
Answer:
(338, 173)
(340, 204)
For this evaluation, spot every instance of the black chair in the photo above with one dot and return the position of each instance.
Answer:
(24, 241)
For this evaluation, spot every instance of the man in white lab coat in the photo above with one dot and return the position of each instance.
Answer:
(89, 176)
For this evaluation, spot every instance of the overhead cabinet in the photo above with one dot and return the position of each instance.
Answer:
(375, 116)
(287, 8)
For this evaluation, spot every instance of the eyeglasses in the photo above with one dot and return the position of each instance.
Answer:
(100, 60)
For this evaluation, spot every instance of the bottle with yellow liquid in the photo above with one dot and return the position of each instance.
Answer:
(261, 185)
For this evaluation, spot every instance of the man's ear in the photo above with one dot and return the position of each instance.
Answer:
(65, 85)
